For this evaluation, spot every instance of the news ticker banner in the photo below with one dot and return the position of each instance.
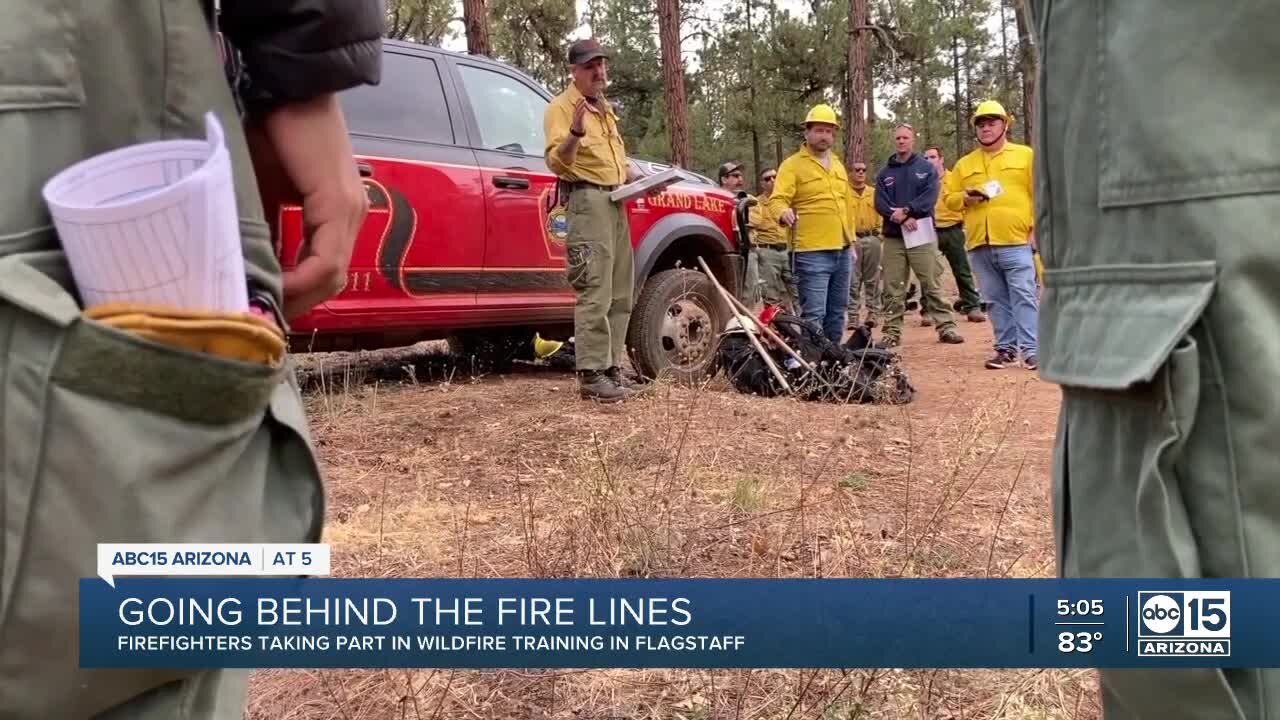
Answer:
(307, 622)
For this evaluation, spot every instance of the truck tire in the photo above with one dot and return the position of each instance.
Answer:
(675, 326)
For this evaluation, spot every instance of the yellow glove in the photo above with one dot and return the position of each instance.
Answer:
(237, 336)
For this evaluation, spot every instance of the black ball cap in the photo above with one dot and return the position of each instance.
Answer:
(727, 168)
(584, 51)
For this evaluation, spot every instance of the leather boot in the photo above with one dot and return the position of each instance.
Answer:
(598, 386)
(628, 380)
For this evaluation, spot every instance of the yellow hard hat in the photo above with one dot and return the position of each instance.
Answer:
(545, 348)
(991, 108)
(822, 114)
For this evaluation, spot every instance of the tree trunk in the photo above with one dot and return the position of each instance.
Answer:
(751, 89)
(1006, 87)
(855, 139)
(1026, 68)
(957, 98)
(869, 82)
(673, 81)
(473, 17)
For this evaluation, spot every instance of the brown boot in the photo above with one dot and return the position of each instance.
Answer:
(598, 386)
(950, 336)
(975, 316)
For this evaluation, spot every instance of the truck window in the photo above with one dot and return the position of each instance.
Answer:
(508, 112)
(409, 104)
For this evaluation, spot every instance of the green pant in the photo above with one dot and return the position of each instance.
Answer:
(777, 287)
(897, 262)
(600, 268)
(1159, 314)
(108, 436)
(866, 279)
(951, 244)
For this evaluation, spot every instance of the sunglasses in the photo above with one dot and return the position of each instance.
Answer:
(859, 169)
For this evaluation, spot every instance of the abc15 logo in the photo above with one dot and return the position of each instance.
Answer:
(1200, 614)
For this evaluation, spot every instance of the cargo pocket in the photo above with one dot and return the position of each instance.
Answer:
(110, 437)
(1126, 345)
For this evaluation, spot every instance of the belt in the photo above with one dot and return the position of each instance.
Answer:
(775, 246)
(868, 233)
(946, 227)
(568, 186)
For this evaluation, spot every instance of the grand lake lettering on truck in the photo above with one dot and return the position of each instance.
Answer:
(677, 623)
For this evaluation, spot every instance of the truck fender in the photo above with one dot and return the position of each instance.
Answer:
(667, 231)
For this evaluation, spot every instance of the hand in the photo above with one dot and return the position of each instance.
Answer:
(306, 145)
(788, 217)
(580, 113)
(1031, 238)
(899, 215)
(973, 197)
(910, 224)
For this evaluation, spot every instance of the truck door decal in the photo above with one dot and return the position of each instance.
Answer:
(397, 232)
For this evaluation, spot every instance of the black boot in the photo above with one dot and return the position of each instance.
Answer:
(598, 386)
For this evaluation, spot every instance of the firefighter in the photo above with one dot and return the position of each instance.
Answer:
(993, 187)
(585, 149)
(771, 247)
(950, 226)
(175, 424)
(867, 226)
(1156, 208)
(811, 194)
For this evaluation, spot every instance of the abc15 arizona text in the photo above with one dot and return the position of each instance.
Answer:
(1189, 623)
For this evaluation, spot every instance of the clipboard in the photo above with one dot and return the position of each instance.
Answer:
(646, 185)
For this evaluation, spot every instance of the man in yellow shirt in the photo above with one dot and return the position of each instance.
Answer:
(866, 224)
(770, 241)
(811, 194)
(950, 226)
(995, 188)
(585, 150)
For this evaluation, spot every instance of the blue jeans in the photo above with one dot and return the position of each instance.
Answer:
(822, 281)
(1007, 280)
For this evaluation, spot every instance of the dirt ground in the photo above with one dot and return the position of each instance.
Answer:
(432, 474)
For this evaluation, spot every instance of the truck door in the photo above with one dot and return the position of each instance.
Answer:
(524, 259)
(420, 253)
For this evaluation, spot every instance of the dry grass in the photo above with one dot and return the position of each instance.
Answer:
(513, 476)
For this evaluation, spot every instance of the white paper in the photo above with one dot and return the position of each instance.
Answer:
(644, 185)
(992, 188)
(922, 235)
(154, 223)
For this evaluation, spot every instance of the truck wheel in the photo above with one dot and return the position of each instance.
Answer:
(491, 351)
(675, 326)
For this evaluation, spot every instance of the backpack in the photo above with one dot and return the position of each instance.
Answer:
(851, 372)
(108, 435)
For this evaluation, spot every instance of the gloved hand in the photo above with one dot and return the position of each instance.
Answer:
(236, 336)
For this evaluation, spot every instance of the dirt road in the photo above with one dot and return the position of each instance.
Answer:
(514, 476)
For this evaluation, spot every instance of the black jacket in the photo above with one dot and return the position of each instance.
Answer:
(912, 184)
(293, 50)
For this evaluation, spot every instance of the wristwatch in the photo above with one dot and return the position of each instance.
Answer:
(575, 133)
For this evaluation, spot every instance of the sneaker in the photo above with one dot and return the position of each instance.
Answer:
(1030, 362)
(1001, 360)
(975, 316)
(950, 337)
(888, 341)
(598, 386)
